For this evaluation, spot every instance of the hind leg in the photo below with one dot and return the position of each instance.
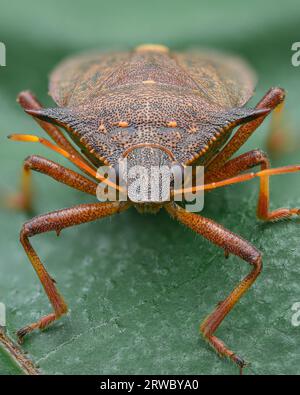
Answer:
(231, 243)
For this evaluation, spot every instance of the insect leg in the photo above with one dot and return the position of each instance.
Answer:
(29, 102)
(23, 199)
(233, 244)
(279, 139)
(56, 221)
(76, 161)
(237, 165)
(54, 170)
(244, 162)
(271, 100)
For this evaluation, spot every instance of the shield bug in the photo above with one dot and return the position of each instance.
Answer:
(152, 106)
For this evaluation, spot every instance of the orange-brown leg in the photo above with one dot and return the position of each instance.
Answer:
(55, 171)
(233, 244)
(237, 165)
(23, 199)
(279, 138)
(56, 221)
(271, 100)
(28, 101)
(247, 161)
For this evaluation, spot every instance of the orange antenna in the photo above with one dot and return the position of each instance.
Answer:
(238, 179)
(82, 165)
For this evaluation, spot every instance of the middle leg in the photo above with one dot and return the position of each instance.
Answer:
(58, 172)
(245, 162)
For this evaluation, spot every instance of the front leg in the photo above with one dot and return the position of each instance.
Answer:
(56, 221)
(29, 102)
(233, 244)
(273, 98)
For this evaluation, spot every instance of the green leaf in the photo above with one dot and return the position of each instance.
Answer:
(7, 365)
(138, 286)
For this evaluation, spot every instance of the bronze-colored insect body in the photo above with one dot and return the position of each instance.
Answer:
(152, 106)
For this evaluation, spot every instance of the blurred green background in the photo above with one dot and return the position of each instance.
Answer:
(138, 286)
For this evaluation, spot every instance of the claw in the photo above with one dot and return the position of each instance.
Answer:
(23, 332)
(240, 362)
(41, 324)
